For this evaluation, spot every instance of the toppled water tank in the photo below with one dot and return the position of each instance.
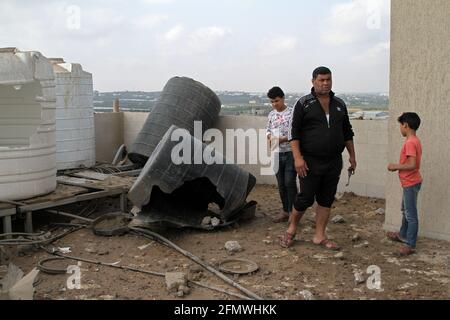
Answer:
(180, 193)
(75, 132)
(27, 125)
(182, 102)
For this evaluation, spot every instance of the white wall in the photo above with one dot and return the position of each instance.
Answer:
(371, 146)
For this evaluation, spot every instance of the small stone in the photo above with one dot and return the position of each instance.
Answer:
(103, 252)
(215, 222)
(267, 242)
(174, 280)
(365, 244)
(206, 221)
(233, 246)
(339, 255)
(356, 237)
(306, 295)
(359, 276)
(381, 211)
(407, 286)
(195, 268)
(267, 273)
(180, 294)
(185, 290)
(91, 250)
(338, 219)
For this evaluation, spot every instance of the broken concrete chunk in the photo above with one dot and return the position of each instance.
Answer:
(24, 288)
(206, 221)
(359, 276)
(365, 244)
(408, 285)
(195, 268)
(233, 246)
(91, 250)
(215, 222)
(356, 237)
(174, 280)
(185, 290)
(338, 219)
(339, 255)
(306, 295)
(13, 276)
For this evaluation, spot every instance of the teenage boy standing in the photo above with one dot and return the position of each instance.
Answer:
(277, 134)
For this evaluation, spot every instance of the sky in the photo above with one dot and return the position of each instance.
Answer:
(234, 45)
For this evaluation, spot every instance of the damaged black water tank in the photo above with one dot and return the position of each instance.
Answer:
(180, 193)
(182, 102)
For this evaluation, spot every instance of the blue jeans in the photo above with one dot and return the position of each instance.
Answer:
(287, 180)
(410, 225)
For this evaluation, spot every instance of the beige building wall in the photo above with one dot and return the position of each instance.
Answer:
(108, 135)
(420, 82)
(371, 145)
(371, 140)
(133, 122)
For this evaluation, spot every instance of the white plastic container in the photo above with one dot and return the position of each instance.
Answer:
(27, 125)
(75, 131)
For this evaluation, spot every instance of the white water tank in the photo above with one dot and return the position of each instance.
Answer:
(75, 132)
(27, 125)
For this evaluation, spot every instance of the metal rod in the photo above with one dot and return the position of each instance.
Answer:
(60, 213)
(151, 234)
(152, 273)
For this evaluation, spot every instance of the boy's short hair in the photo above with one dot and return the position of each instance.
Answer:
(275, 92)
(321, 71)
(412, 119)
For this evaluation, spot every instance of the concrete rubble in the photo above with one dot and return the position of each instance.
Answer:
(233, 247)
(338, 219)
(176, 283)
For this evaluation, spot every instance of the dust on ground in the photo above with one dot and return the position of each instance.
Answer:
(297, 273)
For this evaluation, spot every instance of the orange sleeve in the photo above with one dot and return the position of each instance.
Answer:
(411, 149)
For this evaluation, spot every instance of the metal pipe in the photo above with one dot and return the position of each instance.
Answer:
(60, 213)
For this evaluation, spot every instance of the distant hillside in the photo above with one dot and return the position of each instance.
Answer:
(233, 103)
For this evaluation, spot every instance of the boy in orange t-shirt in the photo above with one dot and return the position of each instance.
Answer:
(411, 180)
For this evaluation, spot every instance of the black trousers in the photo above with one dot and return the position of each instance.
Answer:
(320, 184)
(286, 178)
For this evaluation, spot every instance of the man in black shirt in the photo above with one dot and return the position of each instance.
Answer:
(320, 132)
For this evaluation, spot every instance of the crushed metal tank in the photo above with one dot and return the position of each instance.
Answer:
(184, 194)
(182, 102)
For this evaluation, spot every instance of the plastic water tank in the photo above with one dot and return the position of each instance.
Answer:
(182, 102)
(75, 131)
(27, 125)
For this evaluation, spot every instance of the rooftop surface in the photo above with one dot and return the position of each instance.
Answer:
(283, 273)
